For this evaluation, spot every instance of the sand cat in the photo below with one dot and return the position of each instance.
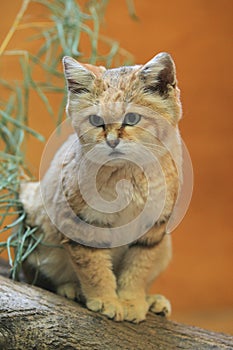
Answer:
(126, 138)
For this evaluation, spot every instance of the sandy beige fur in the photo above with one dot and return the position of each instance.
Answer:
(112, 281)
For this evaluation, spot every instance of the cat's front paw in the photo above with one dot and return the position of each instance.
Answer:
(110, 307)
(135, 310)
(159, 304)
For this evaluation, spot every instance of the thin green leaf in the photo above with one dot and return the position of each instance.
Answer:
(15, 122)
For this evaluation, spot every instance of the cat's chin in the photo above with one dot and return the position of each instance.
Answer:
(116, 161)
(116, 154)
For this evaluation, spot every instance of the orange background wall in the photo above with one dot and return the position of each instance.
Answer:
(198, 34)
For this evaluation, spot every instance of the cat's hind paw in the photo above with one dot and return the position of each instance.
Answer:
(159, 305)
(70, 290)
(108, 307)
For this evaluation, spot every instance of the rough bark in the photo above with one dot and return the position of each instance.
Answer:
(32, 318)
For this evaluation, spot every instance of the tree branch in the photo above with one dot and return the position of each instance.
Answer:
(32, 318)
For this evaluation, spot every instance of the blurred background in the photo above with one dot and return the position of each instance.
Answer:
(198, 34)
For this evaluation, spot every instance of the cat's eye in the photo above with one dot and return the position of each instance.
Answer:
(131, 119)
(96, 120)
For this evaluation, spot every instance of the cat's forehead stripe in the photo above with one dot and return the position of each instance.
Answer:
(116, 74)
(117, 81)
(119, 70)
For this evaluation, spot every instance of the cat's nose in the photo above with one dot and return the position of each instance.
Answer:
(113, 143)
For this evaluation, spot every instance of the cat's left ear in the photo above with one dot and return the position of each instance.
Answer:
(159, 74)
(79, 78)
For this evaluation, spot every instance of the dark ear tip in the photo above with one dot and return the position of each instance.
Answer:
(163, 54)
(66, 60)
(165, 57)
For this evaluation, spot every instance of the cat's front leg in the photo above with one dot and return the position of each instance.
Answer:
(141, 265)
(93, 268)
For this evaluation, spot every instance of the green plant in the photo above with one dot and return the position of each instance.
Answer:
(59, 34)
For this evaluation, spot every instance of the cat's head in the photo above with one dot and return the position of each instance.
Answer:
(113, 108)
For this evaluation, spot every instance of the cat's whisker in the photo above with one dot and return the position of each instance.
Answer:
(153, 145)
(144, 143)
(147, 144)
(89, 144)
(157, 149)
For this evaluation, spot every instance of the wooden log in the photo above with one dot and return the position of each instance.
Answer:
(32, 318)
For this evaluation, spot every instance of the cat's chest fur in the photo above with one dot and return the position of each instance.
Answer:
(120, 189)
(124, 189)
(118, 196)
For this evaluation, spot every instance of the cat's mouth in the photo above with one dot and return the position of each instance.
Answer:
(115, 153)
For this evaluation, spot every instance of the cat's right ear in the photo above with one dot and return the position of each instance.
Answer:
(159, 74)
(79, 79)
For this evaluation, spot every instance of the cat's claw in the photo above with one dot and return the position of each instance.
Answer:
(158, 304)
(108, 307)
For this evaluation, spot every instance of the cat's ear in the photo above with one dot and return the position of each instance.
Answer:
(159, 74)
(79, 79)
